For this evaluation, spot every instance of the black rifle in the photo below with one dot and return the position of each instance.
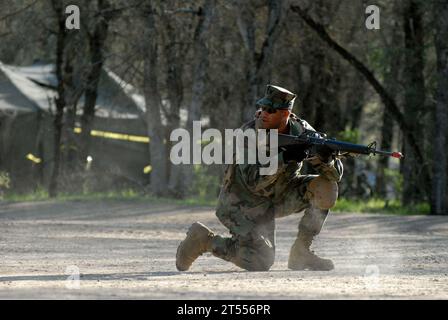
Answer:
(309, 138)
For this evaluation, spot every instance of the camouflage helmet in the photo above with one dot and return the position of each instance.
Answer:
(277, 97)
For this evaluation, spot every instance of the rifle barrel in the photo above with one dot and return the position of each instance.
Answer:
(335, 145)
(347, 146)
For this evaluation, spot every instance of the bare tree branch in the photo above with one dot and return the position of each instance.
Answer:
(388, 101)
(18, 11)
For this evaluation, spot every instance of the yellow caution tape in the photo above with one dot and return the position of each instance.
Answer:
(33, 158)
(115, 136)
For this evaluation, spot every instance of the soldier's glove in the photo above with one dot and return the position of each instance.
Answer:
(323, 152)
(294, 153)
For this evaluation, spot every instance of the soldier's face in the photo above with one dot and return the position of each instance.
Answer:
(275, 120)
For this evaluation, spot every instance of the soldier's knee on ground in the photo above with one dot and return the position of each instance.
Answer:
(322, 193)
(259, 263)
(259, 258)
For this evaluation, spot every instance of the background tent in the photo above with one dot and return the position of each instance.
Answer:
(119, 149)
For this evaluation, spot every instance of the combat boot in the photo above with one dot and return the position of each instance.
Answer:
(301, 257)
(197, 242)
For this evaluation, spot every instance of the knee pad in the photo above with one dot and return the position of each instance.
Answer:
(322, 193)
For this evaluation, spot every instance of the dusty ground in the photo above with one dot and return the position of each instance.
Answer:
(126, 249)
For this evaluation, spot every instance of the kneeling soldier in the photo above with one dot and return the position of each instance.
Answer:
(249, 202)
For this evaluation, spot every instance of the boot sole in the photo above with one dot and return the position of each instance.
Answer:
(196, 225)
(178, 267)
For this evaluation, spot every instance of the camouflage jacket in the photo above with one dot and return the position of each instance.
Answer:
(252, 196)
(247, 178)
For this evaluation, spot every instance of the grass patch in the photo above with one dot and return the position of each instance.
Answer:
(343, 205)
(38, 195)
(123, 195)
(376, 205)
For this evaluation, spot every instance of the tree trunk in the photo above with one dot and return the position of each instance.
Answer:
(389, 102)
(246, 25)
(173, 51)
(200, 65)
(258, 72)
(355, 103)
(414, 99)
(156, 132)
(60, 100)
(383, 162)
(390, 83)
(439, 183)
(96, 46)
(70, 168)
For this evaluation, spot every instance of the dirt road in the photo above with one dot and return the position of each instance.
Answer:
(126, 249)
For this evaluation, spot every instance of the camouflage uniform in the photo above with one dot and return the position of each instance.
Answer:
(249, 203)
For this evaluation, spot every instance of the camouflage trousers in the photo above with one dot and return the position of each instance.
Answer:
(252, 242)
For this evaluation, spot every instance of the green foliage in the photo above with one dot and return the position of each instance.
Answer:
(206, 183)
(122, 195)
(4, 180)
(38, 195)
(375, 205)
(396, 178)
(377, 59)
(349, 135)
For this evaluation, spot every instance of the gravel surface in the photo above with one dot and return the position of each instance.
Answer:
(126, 250)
